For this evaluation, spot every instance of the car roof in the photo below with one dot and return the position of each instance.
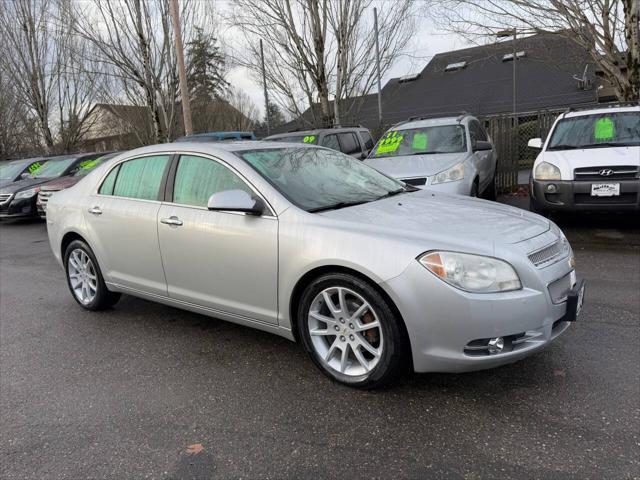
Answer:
(432, 122)
(597, 111)
(316, 131)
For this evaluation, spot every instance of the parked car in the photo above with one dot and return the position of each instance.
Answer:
(18, 199)
(217, 137)
(15, 170)
(308, 243)
(451, 154)
(355, 141)
(589, 161)
(83, 168)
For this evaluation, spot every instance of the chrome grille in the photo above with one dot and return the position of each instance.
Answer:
(618, 172)
(549, 253)
(4, 198)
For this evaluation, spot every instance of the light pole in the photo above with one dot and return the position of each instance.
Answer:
(508, 33)
(184, 90)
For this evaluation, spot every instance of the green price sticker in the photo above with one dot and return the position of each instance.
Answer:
(390, 143)
(420, 142)
(34, 167)
(88, 164)
(309, 139)
(604, 129)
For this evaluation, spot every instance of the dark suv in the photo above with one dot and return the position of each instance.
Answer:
(354, 141)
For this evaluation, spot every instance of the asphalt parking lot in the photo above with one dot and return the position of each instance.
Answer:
(124, 393)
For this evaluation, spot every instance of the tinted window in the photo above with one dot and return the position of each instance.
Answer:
(476, 132)
(315, 178)
(53, 168)
(349, 143)
(331, 141)
(198, 178)
(368, 141)
(141, 178)
(107, 186)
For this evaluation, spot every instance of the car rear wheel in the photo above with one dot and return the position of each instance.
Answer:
(84, 278)
(350, 331)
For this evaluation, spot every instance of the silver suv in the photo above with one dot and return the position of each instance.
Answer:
(355, 141)
(452, 154)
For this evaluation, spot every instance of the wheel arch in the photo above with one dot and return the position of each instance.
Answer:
(66, 240)
(317, 272)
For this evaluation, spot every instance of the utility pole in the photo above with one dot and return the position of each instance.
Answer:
(184, 90)
(512, 32)
(264, 84)
(375, 27)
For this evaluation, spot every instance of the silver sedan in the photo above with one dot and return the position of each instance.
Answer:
(371, 276)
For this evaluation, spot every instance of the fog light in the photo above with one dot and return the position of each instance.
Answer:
(551, 188)
(495, 345)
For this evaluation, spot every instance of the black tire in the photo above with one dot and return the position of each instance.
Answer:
(395, 355)
(535, 208)
(491, 192)
(474, 189)
(104, 298)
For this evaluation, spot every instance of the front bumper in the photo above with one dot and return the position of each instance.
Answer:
(576, 195)
(443, 322)
(20, 208)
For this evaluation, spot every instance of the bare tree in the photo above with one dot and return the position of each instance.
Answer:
(607, 29)
(29, 57)
(315, 48)
(244, 114)
(18, 128)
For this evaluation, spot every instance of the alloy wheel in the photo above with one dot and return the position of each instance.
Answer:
(82, 276)
(345, 331)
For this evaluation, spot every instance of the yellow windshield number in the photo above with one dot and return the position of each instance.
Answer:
(309, 139)
(389, 143)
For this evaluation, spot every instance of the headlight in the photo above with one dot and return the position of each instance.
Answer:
(546, 171)
(453, 174)
(27, 193)
(472, 273)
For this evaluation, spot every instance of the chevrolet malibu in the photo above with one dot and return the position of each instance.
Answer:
(370, 275)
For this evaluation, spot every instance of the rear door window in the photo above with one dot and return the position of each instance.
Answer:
(349, 143)
(141, 178)
(331, 141)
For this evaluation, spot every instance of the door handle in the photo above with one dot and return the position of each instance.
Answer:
(171, 221)
(95, 211)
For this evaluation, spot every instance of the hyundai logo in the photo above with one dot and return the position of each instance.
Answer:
(606, 172)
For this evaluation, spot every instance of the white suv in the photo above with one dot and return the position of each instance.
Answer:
(589, 161)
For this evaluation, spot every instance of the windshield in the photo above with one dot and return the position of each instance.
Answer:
(317, 179)
(53, 168)
(313, 139)
(593, 131)
(425, 140)
(10, 170)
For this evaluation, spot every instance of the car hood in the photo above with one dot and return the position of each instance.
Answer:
(61, 183)
(450, 216)
(22, 184)
(416, 165)
(567, 160)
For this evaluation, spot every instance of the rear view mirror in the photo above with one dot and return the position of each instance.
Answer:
(236, 201)
(480, 145)
(535, 143)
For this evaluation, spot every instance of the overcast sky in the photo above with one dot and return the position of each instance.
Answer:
(426, 43)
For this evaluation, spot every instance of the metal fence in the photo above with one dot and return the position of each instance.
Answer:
(510, 134)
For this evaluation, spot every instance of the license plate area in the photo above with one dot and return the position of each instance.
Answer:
(605, 189)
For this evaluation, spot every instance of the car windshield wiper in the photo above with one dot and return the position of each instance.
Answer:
(336, 206)
(611, 144)
(392, 193)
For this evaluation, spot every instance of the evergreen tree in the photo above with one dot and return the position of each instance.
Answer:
(205, 68)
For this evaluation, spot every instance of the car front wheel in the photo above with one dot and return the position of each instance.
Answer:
(350, 331)
(84, 278)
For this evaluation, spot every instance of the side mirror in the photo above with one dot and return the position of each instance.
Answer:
(480, 145)
(535, 143)
(236, 201)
